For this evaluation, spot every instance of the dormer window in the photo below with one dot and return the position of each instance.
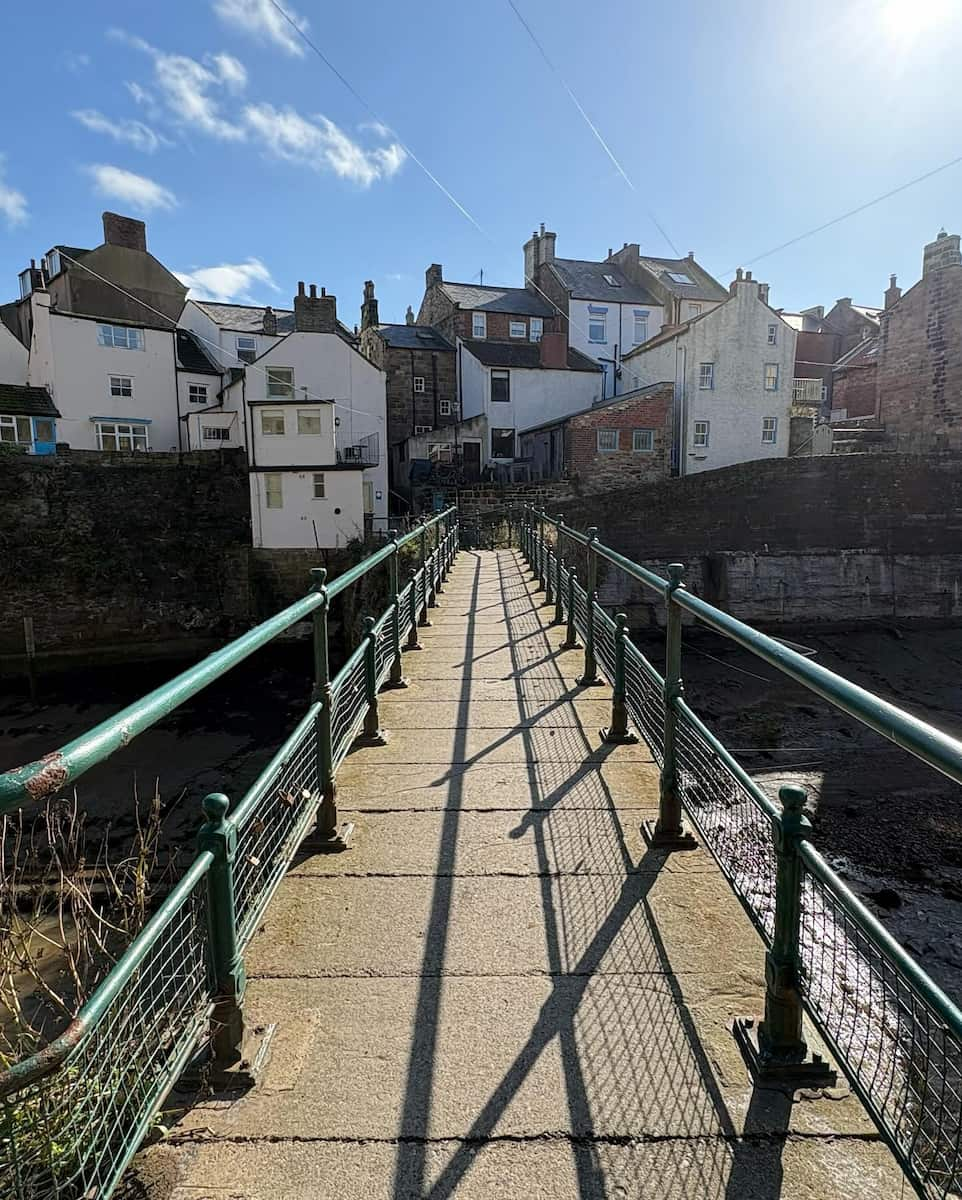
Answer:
(678, 277)
(52, 263)
(611, 281)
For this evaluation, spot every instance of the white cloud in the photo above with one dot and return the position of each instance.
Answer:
(259, 18)
(133, 133)
(13, 204)
(230, 283)
(321, 144)
(139, 192)
(185, 86)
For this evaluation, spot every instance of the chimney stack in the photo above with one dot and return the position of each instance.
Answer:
(269, 324)
(314, 313)
(763, 292)
(409, 316)
(691, 255)
(433, 275)
(943, 252)
(892, 293)
(369, 313)
(124, 231)
(531, 259)
(554, 350)
(547, 242)
(732, 287)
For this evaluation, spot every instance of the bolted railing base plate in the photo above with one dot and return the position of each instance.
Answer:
(657, 839)
(334, 843)
(618, 738)
(392, 685)
(378, 738)
(813, 1072)
(594, 681)
(203, 1073)
(575, 645)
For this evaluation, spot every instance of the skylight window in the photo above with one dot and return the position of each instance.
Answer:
(611, 281)
(678, 277)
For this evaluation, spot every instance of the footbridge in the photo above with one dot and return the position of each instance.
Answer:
(502, 917)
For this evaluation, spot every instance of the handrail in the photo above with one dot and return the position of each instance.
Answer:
(37, 780)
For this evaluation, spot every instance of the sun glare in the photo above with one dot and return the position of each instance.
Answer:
(905, 20)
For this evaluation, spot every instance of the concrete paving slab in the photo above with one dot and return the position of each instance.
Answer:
(525, 687)
(488, 784)
(794, 1168)
(586, 714)
(538, 743)
(495, 925)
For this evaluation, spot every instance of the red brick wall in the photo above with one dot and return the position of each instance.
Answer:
(598, 471)
(498, 325)
(854, 390)
(920, 362)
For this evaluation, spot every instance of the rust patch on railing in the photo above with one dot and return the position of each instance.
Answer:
(50, 776)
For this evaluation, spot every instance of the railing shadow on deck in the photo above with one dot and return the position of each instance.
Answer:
(630, 1052)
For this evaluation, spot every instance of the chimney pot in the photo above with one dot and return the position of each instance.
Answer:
(300, 288)
(691, 255)
(609, 252)
(313, 291)
(748, 276)
(625, 246)
(409, 316)
(738, 274)
(269, 322)
(541, 230)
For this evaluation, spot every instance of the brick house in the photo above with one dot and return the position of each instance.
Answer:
(497, 314)
(623, 440)
(421, 371)
(855, 382)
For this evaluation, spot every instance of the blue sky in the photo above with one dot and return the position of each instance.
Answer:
(740, 125)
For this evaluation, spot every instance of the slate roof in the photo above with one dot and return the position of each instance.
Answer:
(191, 355)
(863, 355)
(586, 281)
(249, 318)
(414, 337)
(25, 401)
(701, 287)
(867, 311)
(525, 355)
(497, 299)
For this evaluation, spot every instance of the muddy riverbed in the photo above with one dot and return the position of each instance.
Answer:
(891, 825)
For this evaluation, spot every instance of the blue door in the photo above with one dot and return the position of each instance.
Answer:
(44, 435)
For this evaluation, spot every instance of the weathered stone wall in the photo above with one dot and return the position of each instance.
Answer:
(102, 549)
(854, 390)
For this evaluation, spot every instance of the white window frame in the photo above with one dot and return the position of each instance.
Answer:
(640, 319)
(120, 337)
(598, 319)
(680, 277)
(536, 329)
(479, 325)
(419, 429)
(17, 425)
(419, 385)
(442, 452)
(133, 431)
(122, 386)
(196, 387)
(280, 388)
(273, 486)
(271, 414)
(694, 309)
(319, 481)
(701, 434)
(245, 344)
(773, 335)
(639, 436)
(607, 441)
(706, 377)
(309, 414)
(444, 408)
(773, 386)
(499, 372)
(214, 433)
(769, 431)
(611, 281)
(517, 329)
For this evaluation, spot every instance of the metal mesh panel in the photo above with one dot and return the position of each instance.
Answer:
(419, 591)
(383, 647)
(271, 828)
(730, 821)
(404, 600)
(70, 1134)
(904, 1061)
(645, 698)
(348, 706)
(605, 628)
(581, 610)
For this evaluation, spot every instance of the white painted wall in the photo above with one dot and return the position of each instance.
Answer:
(198, 422)
(535, 396)
(338, 518)
(67, 359)
(619, 328)
(734, 337)
(13, 358)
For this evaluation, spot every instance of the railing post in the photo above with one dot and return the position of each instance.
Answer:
(778, 1051)
(229, 979)
(412, 642)
(548, 580)
(618, 731)
(396, 678)
(589, 675)
(539, 553)
(424, 621)
(372, 734)
(558, 611)
(668, 831)
(571, 636)
(328, 835)
(439, 578)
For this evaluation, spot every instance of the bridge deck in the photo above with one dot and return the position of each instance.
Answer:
(500, 991)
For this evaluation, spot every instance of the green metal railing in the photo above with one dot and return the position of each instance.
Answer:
(894, 1033)
(73, 1115)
